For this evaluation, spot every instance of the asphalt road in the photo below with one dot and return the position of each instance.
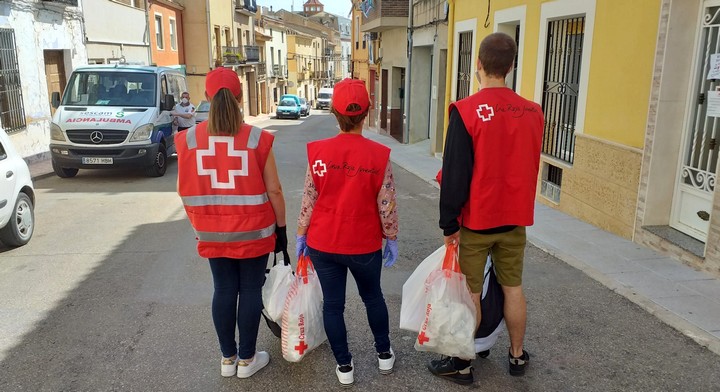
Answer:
(110, 296)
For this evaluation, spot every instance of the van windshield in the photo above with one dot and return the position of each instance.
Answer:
(324, 95)
(89, 88)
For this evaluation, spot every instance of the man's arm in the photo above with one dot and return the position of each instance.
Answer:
(458, 159)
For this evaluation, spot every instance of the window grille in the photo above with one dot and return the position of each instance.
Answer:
(563, 59)
(465, 60)
(12, 111)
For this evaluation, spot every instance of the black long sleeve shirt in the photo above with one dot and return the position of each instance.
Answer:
(457, 169)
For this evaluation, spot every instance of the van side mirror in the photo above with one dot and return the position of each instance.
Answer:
(55, 100)
(168, 103)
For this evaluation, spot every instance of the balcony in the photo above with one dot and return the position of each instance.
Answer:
(300, 76)
(252, 53)
(232, 55)
(261, 70)
(248, 7)
(382, 15)
(278, 71)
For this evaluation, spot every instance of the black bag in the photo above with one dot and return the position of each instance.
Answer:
(491, 306)
(275, 327)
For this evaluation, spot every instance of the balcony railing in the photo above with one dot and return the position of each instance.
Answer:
(278, 71)
(300, 76)
(262, 69)
(72, 3)
(252, 53)
(247, 5)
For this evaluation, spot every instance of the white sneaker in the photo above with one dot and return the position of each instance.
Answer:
(386, 365)
(346, 377)
(246, 369)
(228, 367)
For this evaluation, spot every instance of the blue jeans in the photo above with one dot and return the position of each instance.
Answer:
(237, 300)
(332, 270)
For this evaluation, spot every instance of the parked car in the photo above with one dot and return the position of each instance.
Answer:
(17, 196)
(202, 111)
(288, 108)
(304, 107)
(115, 116)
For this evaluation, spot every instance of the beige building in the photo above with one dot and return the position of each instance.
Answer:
(208, 26)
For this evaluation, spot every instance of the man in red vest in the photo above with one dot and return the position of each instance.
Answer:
(487, 194)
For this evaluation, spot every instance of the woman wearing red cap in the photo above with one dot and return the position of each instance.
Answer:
(230, 189)
(348, 208)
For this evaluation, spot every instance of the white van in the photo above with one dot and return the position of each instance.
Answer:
(115, 116)
(324, 98)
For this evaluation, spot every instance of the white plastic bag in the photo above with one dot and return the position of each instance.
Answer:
(302, 318)
(449, 326)
(275, 290)
(412, 308)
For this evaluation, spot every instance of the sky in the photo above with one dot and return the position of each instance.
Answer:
(337, 7)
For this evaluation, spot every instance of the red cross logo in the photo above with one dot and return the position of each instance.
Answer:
(301, 347)
(319, 168)
(485, 112)
(222, 177)
(422, 338)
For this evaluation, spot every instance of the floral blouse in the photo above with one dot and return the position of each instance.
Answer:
(386, 200)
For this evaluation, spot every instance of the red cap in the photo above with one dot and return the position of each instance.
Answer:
(222, 77)
(347, 92)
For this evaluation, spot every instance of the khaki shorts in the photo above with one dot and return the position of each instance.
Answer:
(508, 251)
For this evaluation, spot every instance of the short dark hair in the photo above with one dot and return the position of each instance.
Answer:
(348, 123)
(497, 54)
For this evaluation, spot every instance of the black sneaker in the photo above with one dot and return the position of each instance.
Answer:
(446, 368)
(483, 354)
(518, 365)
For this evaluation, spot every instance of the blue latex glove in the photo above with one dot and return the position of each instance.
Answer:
(300, 245)
(391, 252)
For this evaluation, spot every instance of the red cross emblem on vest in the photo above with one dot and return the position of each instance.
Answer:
(422, 338)
(222, 149)
(485, 112)
(319, 168)
(301, 347)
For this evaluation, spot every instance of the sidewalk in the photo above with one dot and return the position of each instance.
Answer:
(677, 294)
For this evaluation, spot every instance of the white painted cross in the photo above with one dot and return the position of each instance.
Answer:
(231, 152)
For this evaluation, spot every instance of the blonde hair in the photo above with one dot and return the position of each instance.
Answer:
(225, 117)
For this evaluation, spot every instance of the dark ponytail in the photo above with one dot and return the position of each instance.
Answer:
(225, 117)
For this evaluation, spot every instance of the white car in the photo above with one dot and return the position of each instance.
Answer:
(17, 196)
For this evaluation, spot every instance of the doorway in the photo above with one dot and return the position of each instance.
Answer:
(54, 74)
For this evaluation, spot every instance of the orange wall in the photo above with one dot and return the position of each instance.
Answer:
(166, 56)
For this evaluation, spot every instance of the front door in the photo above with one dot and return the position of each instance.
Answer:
(384, 100)
(54, 73)
(692, 202)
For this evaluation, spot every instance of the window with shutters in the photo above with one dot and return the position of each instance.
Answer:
(12, 111)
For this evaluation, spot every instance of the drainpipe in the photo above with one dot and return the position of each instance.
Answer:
(408, 74)
(147, 31)
(209, 30)
(449, 66)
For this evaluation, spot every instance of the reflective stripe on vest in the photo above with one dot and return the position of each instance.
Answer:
(254, 137)
(225, 200)
(191, 138)
(209, 236)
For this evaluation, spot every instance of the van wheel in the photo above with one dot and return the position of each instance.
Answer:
(159, 165)
(63, 172)
(21, 225)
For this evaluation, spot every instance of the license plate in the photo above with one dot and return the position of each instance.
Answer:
(97, 161)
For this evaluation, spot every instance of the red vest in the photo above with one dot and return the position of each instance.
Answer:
(220, 181)
(348, 172)
(506, 131)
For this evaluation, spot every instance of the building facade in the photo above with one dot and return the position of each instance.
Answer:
(41, 42)
(360, 64)
(166, 32)
(385, 25)
(345, 27)
(116, 31)
(276, 57)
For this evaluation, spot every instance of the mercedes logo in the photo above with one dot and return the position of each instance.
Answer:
(96, 137)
